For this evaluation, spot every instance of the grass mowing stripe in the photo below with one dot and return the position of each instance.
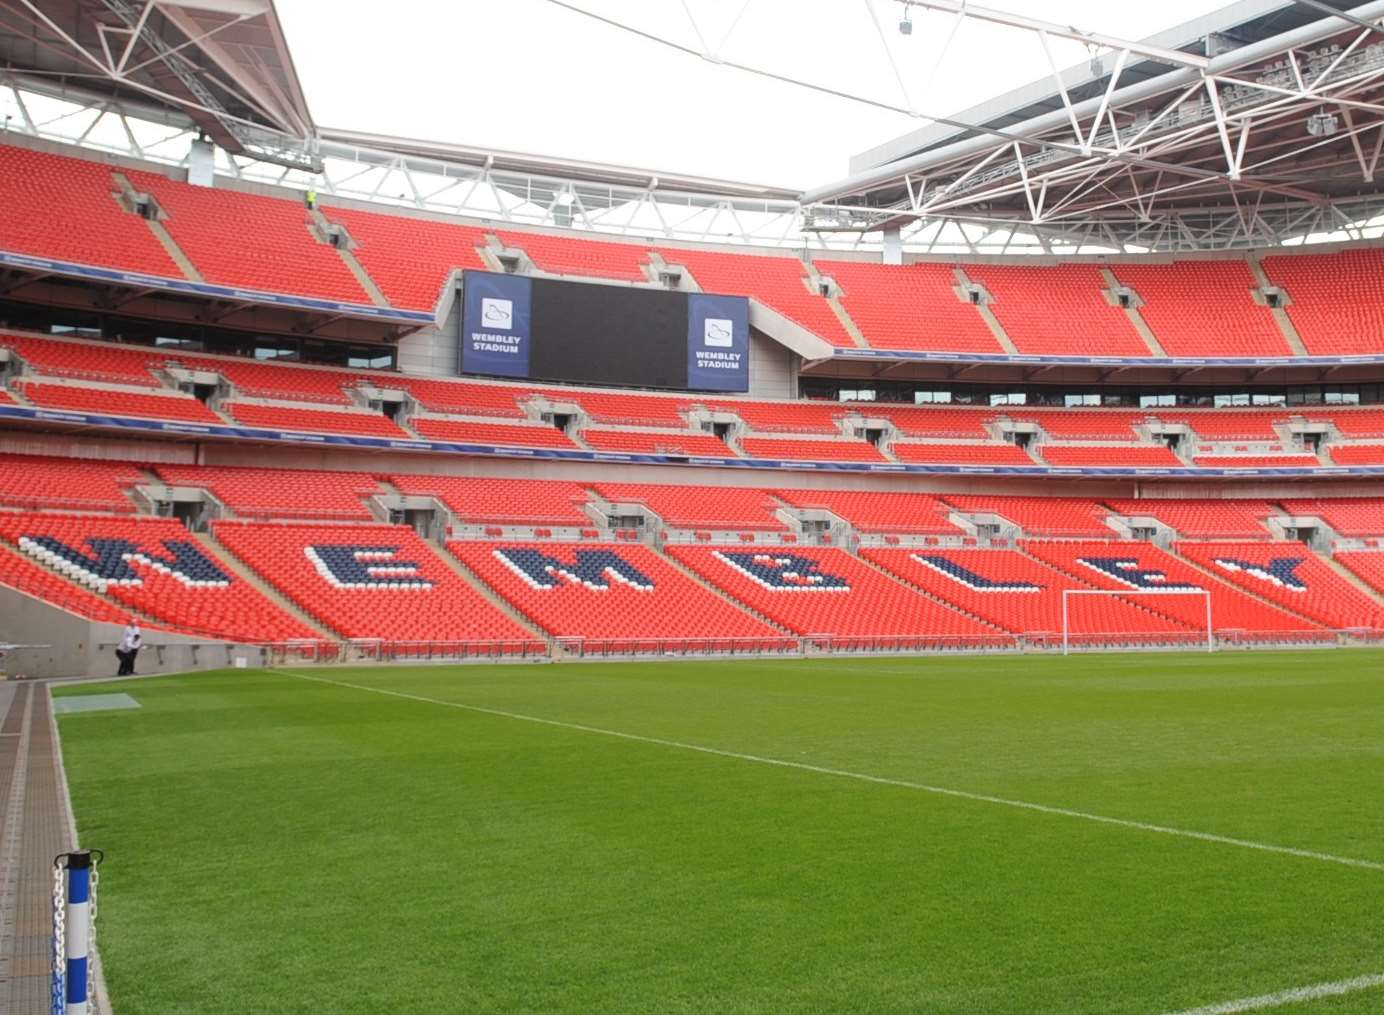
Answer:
(1312, 993)
(1185, 833)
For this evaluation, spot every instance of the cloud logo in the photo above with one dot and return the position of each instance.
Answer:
(498, 314)
(719, 333)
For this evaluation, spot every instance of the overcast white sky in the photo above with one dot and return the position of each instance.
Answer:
(528, 76)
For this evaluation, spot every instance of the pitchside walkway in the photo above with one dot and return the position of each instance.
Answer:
(34, 828)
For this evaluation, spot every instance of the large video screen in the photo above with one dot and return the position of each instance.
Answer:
(544, 329)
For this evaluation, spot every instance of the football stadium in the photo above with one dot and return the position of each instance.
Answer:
(440, 575)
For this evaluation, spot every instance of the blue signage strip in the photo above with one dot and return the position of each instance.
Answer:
(154, 426)
(495, 317)
(907, 356)
(718, 343)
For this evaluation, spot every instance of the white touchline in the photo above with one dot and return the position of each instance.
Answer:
(879, 780)
(1293, 996)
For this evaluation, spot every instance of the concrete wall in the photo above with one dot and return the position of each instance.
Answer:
(80, 647)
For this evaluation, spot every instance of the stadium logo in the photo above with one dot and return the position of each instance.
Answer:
(596, 570)
(497, 314)
(783, 572)
(719, 333)
(1278, 571)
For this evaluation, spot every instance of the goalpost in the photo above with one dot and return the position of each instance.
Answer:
(1066, 608)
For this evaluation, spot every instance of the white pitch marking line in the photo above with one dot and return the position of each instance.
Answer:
(879, 780)
(1312, 993)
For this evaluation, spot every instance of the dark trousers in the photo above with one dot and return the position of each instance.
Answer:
(127, 661)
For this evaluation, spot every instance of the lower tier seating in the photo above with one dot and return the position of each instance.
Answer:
(1013, 591)
(22, 574)
(606, 591)
(1143, 567)
(826, 591)
(369, 581)
(279, 493)
(32, 482)
(156, 567)
(1367, 565)
(1292, 576)
(1349, 516)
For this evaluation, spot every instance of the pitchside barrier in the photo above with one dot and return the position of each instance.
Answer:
(75, 877)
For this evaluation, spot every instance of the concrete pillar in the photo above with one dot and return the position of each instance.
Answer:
(201, 163)
(893, 246)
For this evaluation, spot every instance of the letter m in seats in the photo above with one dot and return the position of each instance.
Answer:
(592, 569)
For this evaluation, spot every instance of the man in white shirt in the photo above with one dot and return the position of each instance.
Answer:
(129, 648)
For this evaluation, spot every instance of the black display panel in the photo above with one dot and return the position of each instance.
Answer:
(519, 326)
(605, 334)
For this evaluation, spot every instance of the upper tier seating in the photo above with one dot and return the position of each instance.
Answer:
(961, 454)
(1336, 301)
(64, 209)
(1039, 516)
(309, 419)
(369, 581)
(540, 435)
(1367, 565)
(826, 591)
(1357, 423)
(573, 255)
(112, 364)
(606, 591)
(1204, 308)
(1086, 424)
(1257, 461)
(410, 258)
(810, 451)
(279, 493)
(154, 566)
(910, 307)
(467, 398)
(700, 507)
(1349, 516)
(777, 282)
(877, 511)
(1058, 310)
(22, 574)
(1137, 456)
(1019, 594)
(1203, 519)
(6, 398)
(502, 501)
(164, 404)
(643, 442)
(1292, 576)
(927, 421)
(1225, 424)
(1358, 454)
(787, 417)
(37, 483)
(629, 410)
(1144, 567)
(285, 381)
(210, 226)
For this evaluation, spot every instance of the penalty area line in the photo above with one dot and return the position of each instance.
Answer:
(878, 780)
(1293, 996)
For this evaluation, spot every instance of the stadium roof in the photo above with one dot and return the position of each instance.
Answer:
(1259, 122)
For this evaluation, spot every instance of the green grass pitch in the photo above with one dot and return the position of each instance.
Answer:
(277, 844)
